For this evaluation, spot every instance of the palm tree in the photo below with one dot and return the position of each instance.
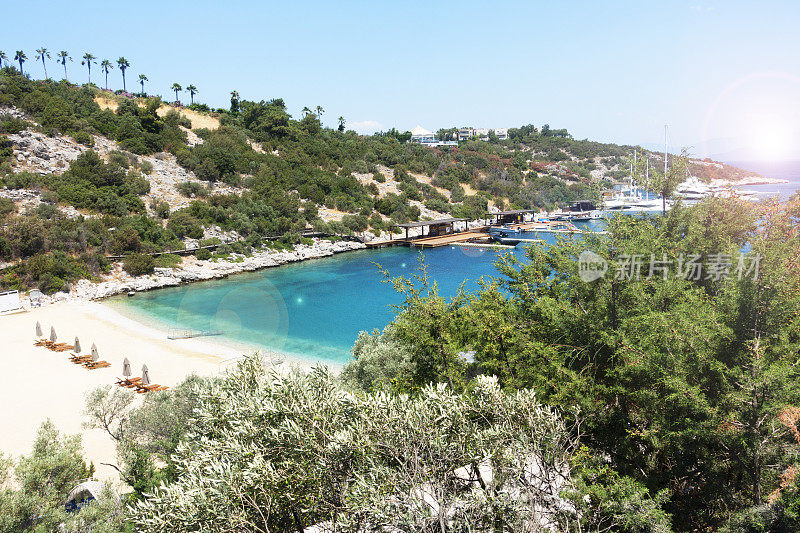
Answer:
(177, 88)
(42, 53)
(63, 55)
(88, 59)
(234, 102)
(341, 123)
(192, 91)
(21, 57)
(319, 111)
(306, 111)
(3, 57)
(142, 79)
(123, 64)
(106, 65)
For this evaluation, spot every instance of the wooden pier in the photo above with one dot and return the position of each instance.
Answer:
(442, 233)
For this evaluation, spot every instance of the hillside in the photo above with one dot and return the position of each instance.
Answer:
(87, 173)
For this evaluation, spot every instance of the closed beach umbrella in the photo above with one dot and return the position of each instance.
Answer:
(77, 348)
(126, 368)
(53, 336)
(95, 355)
(38, 329)
(145, 375)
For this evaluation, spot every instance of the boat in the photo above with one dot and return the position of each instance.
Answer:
(508, 241)
(504, 230)
(581, 211)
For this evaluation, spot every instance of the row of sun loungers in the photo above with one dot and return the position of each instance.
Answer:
(92, 361)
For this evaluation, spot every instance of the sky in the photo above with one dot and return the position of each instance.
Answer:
(724, 75)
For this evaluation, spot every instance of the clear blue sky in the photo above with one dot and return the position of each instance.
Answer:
(719, 72)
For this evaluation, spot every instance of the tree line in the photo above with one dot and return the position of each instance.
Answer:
(88, 59)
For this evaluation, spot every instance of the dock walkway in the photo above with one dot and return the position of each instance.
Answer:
(446, 240)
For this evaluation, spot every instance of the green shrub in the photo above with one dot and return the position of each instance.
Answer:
(192, 189)
(138, 264)
(203, 254)
(7, 207)
(84, 138)
(168, 261)
(49, 284)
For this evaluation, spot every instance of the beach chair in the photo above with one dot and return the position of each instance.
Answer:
(128, 382)
(80, 359)
(142, 389)
(92, 365)
(61, 347)
(131, 383)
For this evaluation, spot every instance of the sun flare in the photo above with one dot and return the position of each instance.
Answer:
(770, 140)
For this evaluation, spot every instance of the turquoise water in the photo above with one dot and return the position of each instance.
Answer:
(311, 309)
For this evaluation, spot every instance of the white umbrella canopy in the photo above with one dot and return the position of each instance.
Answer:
(77, 348)
(95, 355)
(145, 375)
(38, 329)
(126, 368)
(53, 336)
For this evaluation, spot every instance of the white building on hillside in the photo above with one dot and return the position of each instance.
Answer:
(481, 133)
(422, 136)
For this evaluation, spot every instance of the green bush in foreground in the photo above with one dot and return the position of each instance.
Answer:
(270, 451)
(36, 486)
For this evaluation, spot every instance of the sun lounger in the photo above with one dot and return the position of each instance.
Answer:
(91, 365)
(61, 347)
(80, 359)
(141, 389)
(128, 382)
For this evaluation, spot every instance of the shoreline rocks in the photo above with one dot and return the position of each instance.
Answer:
(193, 270)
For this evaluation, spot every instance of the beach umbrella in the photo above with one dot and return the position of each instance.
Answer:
(77, 348)
(53, 337)
(95, 355)
(38, 329)
(126, 368)
(145, 375)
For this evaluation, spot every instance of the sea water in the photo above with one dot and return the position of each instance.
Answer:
(785, 170)
(314, 309)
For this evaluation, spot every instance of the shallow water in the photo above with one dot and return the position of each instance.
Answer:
(311, 309)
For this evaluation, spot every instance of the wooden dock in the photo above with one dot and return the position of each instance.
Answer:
(432, 242)
(446, 240)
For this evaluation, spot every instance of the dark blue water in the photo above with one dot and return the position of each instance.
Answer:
(786, 170)
(312, 309)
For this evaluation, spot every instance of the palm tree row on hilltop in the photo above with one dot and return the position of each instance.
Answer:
(88, 59)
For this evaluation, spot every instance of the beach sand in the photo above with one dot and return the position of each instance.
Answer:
(37, 383)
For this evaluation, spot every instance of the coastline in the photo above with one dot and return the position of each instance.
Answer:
(40, 384)
(119, 282)
(227, 345)
(753, 180)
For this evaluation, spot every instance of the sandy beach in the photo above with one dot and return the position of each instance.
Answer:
(38, 383)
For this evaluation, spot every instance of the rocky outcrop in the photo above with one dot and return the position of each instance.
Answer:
(42, 154)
